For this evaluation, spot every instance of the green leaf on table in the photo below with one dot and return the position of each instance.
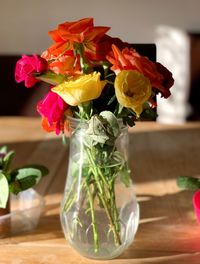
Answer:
(27, 176)
(4, 190)
(3, 150)
(190, 183)
(28, 182)
(7, 160)
(43, 170)
(14, 187)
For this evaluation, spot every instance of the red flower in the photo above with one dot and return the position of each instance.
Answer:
(104, 46)
(52, 109)
(167, 81)
(28, 65)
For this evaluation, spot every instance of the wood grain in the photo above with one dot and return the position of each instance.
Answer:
(168, 231)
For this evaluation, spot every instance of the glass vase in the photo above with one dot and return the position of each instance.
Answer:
(99, 212)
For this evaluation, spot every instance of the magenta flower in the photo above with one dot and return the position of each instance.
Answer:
(52, 107)
(26, 66)
(196, 204)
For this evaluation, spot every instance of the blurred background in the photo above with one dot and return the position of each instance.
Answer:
(173, 25)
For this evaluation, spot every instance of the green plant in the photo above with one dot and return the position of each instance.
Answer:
(18, 179)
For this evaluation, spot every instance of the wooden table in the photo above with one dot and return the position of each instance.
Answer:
(168, 231)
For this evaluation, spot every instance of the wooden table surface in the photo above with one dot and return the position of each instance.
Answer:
(168, 231)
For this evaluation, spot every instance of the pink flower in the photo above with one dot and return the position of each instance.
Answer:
(196, 204)
(28, 65)
(52, 108)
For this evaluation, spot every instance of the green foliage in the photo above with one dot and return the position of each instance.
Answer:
(4, 190)
(112, 123)
(189, 183)
(148, 114)
(102, 129)
(17, 180)
(50, 77)
(7, 160)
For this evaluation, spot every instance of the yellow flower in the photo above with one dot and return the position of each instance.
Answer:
(84, 88)
(132, 89)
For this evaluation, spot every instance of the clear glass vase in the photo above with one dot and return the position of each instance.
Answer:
(99, 211)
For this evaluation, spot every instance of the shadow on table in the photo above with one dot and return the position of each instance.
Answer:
(50, 153)
(167, 228)
(165, 154)
(48, 228)
(167, 231)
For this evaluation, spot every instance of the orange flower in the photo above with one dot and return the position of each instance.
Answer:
(81, 31)
(65, 64)
(129, 59)
(51, 127)
(46, 126)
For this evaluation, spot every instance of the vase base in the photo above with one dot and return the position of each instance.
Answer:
(104, 253)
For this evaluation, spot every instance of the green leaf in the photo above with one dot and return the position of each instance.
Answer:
(120, 109)
(27, 172)
(189, 183)
(129, 121)
(14, 187)
(7, 160)
(125, 176)
(96, 131)
(4, 190)
(148, 114)
(4, 149)
(85, 110)
(28, 182)
(51, 78)
(26, 177)
(112, 100)
(23, 184)
(112, 122)
(65, 140)
(43, 170)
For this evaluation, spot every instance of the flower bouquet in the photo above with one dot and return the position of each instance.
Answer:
(99, 86)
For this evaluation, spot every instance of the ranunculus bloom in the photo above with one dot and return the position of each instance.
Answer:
(52, 109)
(132, 90)
(196, 204)
(129, 59)
(26, 66)
(82, 89)
(81, 31)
